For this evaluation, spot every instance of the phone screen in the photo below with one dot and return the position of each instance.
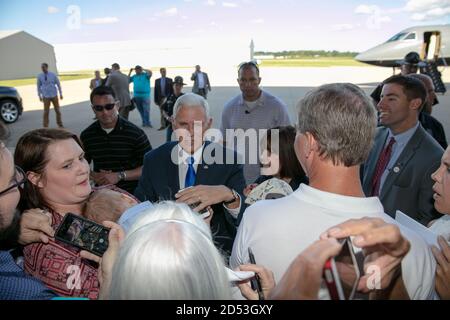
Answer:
(83, 233)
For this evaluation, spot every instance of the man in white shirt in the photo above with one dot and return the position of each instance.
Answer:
(194, 171)
(335, 132)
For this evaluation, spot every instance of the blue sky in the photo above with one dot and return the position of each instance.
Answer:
(274, 25)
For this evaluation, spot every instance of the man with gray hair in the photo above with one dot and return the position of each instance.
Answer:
(336, 127)
(194, 171)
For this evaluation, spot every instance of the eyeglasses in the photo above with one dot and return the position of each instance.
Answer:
(100, 108)
(19, 180)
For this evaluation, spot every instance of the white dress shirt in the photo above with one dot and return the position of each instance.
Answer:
(201, 80)
(183, 168)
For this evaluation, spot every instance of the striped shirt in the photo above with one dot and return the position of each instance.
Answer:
(121, 149)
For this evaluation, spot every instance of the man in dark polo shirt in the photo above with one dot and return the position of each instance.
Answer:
(115, 145)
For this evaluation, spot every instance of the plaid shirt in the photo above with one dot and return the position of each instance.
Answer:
(16, 285)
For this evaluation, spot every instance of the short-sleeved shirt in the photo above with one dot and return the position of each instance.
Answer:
(169, 104)
(16, 285)
(278, 230)
(268, 112)
(121, 149)
(141, 85)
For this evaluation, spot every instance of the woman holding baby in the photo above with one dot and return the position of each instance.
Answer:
(58, 173)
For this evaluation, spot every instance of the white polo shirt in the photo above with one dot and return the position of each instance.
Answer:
(278, 230)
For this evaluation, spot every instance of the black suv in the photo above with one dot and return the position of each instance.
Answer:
(10, 104)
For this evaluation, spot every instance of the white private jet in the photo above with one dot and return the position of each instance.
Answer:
(431, 42)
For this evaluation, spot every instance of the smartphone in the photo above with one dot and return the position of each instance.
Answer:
(342, 273)
(83, 233)
(205, 213)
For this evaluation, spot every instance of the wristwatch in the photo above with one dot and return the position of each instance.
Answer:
(235, 197)
(122, 175)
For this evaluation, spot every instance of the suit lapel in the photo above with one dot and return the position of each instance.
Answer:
(203, 169)
(373, 159)
(173, 180)
(407, 154)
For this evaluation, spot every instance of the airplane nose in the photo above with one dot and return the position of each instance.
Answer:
(361, 57)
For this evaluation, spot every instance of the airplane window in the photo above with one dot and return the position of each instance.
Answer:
(398, 36)
(411, 36)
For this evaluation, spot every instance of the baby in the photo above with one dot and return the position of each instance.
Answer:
(107, 205)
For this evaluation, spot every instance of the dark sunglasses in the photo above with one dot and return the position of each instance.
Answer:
(19, 180)
(108, 107)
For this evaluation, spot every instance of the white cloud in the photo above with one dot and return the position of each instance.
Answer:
(52, 10)
(425, 5)
(257, 21)
(184, 17)
(342, 27)
(210, 3)
(171, 12)
(229, 5)
(103, 20)
(366, 9)
(375, 16)
(427, 9)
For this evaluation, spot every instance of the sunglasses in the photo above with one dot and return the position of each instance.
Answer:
(100, 108)
(19, 180)
(248, 64)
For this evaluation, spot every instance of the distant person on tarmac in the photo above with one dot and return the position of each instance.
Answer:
(47, 86)
(96, 82)
(201, 82)
(119, 83)
(141, 92)
(163, 89)
(107, 72)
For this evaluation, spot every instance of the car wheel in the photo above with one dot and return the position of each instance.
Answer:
(9, 111)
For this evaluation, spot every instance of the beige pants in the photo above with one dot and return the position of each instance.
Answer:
(55, 102)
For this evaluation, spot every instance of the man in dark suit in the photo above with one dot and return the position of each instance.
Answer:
(199, 173)
(201, 82)
(163, 89)
(428, 122)
(404, 155)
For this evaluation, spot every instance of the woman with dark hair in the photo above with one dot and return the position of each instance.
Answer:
(58, 176)
(278, 160)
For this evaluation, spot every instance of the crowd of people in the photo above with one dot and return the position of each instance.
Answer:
(349, 164)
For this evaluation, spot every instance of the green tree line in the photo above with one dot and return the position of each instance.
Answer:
(308, 53)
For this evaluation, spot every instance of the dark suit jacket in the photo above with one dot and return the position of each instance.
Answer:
(433, 127)
(168, 90)
(408, 187)
(195, 88)
(159, 181)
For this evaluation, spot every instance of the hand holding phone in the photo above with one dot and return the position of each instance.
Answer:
(256, 282)
(342, 273)
(83, 233)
